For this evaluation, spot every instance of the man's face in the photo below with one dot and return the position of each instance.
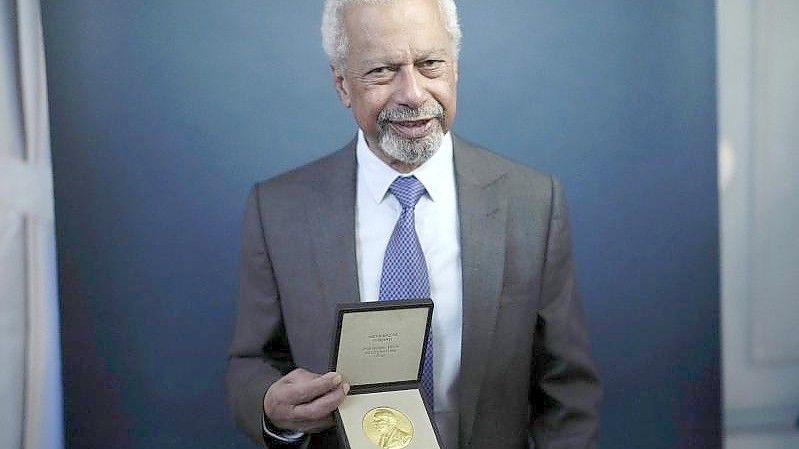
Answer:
(400, 78)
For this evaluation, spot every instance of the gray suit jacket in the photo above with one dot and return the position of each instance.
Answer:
(525, 366)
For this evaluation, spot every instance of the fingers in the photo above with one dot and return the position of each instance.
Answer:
(302, 400)
(316, 425)
(323, 405)
(307, 388)
(317, 415)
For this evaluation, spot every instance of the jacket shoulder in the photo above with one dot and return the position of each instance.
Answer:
(340, 163)
(478, 159)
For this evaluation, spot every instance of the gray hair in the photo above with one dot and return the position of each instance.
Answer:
(334, 36)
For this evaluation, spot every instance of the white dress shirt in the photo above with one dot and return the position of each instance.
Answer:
(437, 226)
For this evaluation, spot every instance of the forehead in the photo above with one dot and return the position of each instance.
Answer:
(395, 28)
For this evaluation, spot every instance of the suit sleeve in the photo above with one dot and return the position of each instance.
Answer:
(259, 354)
(565, 389)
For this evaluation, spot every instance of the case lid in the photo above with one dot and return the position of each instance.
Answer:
(381, 344)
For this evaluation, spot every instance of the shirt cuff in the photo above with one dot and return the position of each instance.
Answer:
(283, 436)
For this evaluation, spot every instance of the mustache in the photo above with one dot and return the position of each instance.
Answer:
(407, 113)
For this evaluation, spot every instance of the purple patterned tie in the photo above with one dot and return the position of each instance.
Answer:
(404, 267)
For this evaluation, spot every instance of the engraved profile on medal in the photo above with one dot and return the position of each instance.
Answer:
(388, 428)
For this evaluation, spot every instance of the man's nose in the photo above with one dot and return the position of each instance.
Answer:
(411, 90)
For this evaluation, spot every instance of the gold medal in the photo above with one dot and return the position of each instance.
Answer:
(387, 428)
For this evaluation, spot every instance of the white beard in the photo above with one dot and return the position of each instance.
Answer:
(414, 151)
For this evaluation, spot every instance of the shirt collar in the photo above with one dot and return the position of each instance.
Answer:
(434, 174)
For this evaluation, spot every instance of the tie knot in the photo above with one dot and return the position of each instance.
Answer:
(407, 190)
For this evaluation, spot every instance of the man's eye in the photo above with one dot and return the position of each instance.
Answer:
(379, 71)
(431, 63)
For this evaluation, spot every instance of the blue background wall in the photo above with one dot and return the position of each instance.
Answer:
(163, 114)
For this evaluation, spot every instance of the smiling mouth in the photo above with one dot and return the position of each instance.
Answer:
(411, 129)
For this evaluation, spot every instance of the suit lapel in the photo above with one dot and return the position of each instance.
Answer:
(332, 222)
(482, 209)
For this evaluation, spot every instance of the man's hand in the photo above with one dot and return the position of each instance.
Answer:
(303, 401)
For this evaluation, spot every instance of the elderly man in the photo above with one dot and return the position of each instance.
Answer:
(409, 210)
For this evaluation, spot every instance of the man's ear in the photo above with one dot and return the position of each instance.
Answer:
(342, 87)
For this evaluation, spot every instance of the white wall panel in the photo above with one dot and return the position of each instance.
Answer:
(12, 326)
(758, 81)
(775, 184)
(30, 368)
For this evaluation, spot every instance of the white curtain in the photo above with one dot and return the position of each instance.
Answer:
(30, 366)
